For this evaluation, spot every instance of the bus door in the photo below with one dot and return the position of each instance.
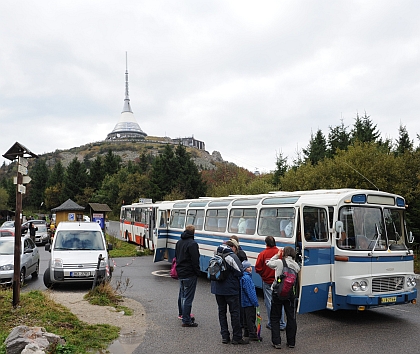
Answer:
(151, 227)
(160, 237)
(315, 274)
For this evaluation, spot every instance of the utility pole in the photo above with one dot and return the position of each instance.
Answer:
(18, 151)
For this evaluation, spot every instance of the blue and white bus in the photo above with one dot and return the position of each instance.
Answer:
(353, 244)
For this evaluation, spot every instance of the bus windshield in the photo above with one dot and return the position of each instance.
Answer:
(367, 228)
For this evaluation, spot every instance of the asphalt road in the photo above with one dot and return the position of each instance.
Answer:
(385, 330)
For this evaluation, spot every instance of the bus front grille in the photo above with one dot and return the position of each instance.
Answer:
(387, 284)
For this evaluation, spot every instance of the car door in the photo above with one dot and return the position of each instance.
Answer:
(29, 257)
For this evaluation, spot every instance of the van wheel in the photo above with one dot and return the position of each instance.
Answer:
(47, 279)
(36, 272)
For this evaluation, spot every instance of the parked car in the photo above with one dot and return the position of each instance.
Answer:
(7, 233)
(25, 225)
(8, 225)
(74, 254)
(42, 235)
(29, 259)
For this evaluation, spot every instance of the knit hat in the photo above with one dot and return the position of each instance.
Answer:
(246, 264)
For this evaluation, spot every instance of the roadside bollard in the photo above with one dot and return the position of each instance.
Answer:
(95, 279)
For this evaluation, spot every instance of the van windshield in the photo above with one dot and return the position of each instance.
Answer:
(79, 240)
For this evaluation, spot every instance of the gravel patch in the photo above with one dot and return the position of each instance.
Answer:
(132, 327)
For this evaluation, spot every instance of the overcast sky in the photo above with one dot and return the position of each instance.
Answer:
(251, 79)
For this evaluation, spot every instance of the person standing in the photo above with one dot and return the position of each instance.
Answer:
(249, 302)
(227, 293)
(32, 230)
(188, 268)
(278, 304)
(267, 275)
(242, 257)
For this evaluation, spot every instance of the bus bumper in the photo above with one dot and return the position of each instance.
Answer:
(355, 301)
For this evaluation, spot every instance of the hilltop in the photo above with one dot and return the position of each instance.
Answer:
(127, 150)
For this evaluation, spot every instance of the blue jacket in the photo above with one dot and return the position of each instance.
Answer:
(231, 285)
(248, 293)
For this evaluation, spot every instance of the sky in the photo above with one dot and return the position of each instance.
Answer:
(250, 79)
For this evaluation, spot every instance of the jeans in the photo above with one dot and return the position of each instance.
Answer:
(223, 301)
(268, 294)
(288, 307)
(186, 296)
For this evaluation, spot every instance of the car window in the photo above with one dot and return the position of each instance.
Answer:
(42, 228)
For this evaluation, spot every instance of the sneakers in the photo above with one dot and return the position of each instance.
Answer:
(226, 340)
(290, 345)
(191, 324)
(191, 315)
(240, 341)
(277, 346)
(268, 327)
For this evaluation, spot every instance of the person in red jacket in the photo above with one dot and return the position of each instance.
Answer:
(267, 275)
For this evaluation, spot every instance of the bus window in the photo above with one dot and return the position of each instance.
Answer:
(163, 218)
(196, 218)
(394, 226)
(315, 226)
(361, 227)
(277, 222)
(177, 218)
(242, 221)
(216, 220)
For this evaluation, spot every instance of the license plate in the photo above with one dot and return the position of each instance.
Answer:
(80, 274)
(388, 300)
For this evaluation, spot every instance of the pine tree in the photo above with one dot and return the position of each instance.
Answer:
(403, 142)
(56, 175)
(112, 163)
(39, 174)
(96, 173)
(281, 169)
(75, 179)
(338, 138)
(364, 130)
(317, 148)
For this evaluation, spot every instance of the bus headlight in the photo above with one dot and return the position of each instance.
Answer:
(359, 285)
(411, 281)
(363, 285)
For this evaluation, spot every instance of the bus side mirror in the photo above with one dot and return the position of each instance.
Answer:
(410, 237)
(338, 229)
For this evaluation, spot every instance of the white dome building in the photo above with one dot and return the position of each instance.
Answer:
(127, 127)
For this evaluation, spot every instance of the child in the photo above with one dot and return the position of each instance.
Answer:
(249, 302)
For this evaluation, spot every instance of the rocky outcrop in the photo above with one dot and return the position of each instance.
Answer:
(35, 340)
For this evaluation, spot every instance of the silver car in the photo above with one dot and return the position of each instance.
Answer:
(41, 235)
(29, 259)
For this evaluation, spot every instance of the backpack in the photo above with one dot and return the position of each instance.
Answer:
(285, 283)
(173, 272)
(217, 269)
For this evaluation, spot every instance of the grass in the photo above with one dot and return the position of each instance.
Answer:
(122, 248)
(105, 295)
(36, 309)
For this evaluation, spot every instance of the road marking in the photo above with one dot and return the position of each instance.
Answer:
(162, 273)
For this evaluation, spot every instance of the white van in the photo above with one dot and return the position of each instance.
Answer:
(76, 250)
